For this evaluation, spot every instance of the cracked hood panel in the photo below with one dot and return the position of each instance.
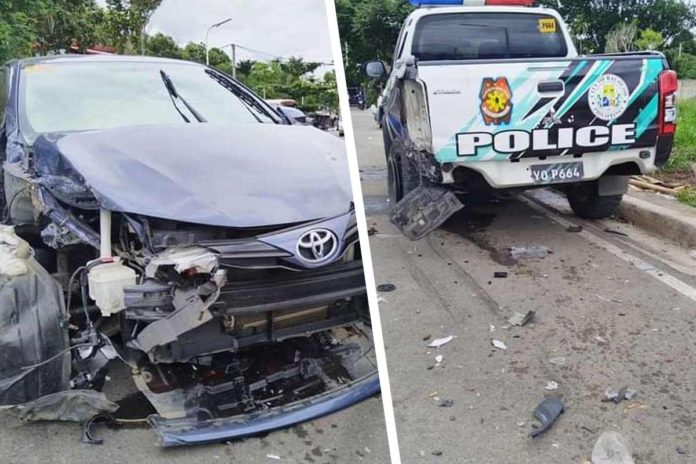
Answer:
(244, 175)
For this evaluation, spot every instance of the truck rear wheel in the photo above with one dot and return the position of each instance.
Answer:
(402, 174)
(586, 202)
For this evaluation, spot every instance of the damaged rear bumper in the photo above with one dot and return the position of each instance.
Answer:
(187, 431)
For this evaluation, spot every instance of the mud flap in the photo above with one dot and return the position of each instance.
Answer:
(423, 210)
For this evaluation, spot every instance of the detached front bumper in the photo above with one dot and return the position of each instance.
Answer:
(183, 432)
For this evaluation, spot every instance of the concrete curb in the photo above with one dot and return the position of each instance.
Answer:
(661, 216)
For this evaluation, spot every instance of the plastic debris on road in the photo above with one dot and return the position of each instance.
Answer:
(612, 448)
(438, 342)
(551, 386)
(500, 345)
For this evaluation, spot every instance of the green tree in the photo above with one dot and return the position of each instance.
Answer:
(650, 40)
(369, 30)
(17, 29)
(126, 21)
(622, 38)
(61, 24)
(298, 67)
(162, 45)
(244, 69)
(592, 20)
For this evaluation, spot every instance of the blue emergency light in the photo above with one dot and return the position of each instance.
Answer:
(472, 2)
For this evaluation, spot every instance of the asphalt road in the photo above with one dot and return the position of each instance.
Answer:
(612, 310)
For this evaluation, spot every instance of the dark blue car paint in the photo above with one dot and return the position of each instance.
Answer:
(180, 432)
(231, 175)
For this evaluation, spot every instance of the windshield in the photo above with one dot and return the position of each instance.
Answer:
(66, 97)
(488, 36)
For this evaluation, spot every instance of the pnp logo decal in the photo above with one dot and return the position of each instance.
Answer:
(608, 97)
(496, 101)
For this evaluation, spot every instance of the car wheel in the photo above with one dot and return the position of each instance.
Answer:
(586, 203)
(402, 174)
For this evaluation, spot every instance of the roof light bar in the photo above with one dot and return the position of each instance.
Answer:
(472, 2)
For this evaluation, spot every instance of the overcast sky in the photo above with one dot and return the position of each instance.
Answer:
(280, 28)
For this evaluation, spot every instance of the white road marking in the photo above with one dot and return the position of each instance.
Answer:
(664, 277)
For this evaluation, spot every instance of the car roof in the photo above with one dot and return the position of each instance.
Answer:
(56, 59)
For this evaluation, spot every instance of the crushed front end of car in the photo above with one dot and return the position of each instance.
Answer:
(225, 274)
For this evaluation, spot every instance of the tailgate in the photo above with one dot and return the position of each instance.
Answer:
(484, 111)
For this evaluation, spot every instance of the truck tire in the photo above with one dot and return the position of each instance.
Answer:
(386, 139)
(586, 202)
(402, 174)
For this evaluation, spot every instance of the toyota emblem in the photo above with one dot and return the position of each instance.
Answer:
(317, 246)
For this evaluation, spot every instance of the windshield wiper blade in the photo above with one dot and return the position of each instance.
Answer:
(173, 94)
(249, 102)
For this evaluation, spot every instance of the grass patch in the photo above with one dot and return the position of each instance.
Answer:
(687, 196)
(684, 154)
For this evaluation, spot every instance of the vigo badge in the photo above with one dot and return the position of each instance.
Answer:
(496, 101)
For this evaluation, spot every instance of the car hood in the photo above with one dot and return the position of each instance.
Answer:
(242, 175)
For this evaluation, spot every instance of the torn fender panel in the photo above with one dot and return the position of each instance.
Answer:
(181, 432)
(32, 325)
(273, 174)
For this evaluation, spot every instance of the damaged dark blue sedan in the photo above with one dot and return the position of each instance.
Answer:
(158, 213)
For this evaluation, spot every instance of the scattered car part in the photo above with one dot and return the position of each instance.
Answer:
(547, 413)
(67, 405)
(521, 319)
(424, 209)
(618, 395)
(386, 288)
(529, 252)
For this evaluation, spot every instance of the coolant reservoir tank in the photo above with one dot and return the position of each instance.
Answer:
(106, 283)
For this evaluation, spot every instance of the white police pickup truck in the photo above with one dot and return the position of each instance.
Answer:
(492, 94)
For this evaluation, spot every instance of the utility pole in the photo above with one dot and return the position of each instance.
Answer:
(234, 60)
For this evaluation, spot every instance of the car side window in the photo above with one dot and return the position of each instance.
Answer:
(399, 44)
(403, 44)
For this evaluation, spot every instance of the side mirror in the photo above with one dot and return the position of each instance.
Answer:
(375, 69)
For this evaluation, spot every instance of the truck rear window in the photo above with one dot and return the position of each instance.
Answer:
(488, 36)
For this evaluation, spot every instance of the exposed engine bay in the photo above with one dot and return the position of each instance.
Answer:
(213, 323)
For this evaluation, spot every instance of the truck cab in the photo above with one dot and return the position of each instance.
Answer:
(492, 95)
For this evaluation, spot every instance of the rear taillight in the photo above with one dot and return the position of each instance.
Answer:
(667, 115)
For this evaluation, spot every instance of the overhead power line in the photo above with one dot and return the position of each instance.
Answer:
(273, 56)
